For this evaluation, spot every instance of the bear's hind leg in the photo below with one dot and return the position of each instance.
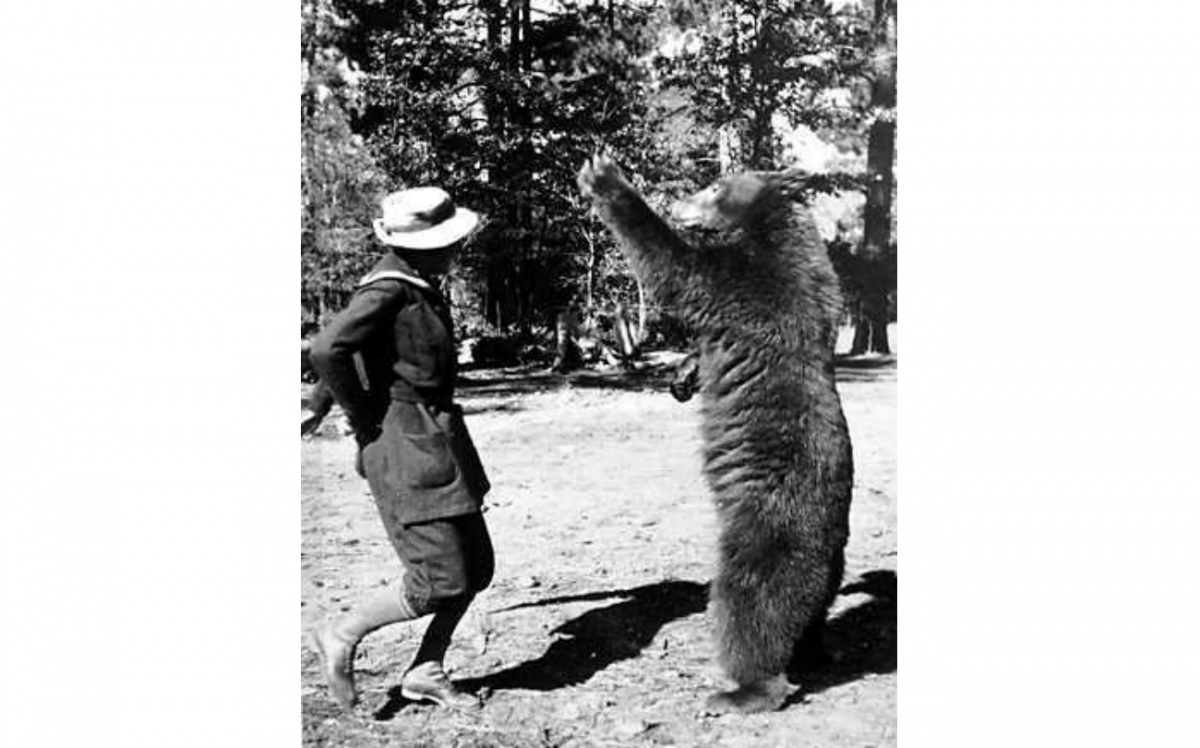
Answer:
(768, 588)
(810, 652)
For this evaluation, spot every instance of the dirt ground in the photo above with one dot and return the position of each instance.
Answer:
(595, 631)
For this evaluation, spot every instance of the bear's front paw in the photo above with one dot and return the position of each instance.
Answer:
(600, 178)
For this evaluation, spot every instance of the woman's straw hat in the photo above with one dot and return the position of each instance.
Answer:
(423, 218)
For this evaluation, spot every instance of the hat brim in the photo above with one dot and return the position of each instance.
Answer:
(453, 229)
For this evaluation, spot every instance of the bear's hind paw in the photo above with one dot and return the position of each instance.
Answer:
(765, 695)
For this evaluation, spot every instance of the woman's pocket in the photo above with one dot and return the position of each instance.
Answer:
(400, 466)
(425, 461)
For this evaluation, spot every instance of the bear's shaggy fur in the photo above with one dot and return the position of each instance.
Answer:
(754, 280)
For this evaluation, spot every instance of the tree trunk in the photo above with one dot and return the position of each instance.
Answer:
(566, 331)
(641, 331)
(871, 313)
(493, 101)
(526, 35)
(627, 339)
(591, 272)
(870, 329)
(762, 139)
(728, 148)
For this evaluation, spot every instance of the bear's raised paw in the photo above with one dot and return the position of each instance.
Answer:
(601, 179)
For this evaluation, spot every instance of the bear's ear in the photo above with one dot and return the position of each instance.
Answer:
(739, 193)
(700, 210)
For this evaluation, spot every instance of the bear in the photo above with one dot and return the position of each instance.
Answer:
(687, 375)
(749, 273)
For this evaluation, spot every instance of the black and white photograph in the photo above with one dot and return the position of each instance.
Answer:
(599, 351)
(602, 414)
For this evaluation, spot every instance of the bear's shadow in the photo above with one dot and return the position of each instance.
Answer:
(862, 639)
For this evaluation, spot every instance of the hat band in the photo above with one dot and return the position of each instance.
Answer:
(420, 220)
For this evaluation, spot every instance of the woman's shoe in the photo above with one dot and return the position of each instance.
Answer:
(337, 663)
(428, 682)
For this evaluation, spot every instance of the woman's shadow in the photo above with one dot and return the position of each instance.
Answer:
(863, 638)
(590, 642)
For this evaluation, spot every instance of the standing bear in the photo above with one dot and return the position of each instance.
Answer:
(753, 280)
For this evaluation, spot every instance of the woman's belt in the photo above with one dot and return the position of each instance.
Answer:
(406, 393)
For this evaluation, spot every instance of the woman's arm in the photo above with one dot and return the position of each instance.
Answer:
(370, 311)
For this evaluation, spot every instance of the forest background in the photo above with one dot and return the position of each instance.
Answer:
(500, 101)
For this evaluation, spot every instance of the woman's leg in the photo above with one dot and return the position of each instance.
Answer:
(454, 561)
(335, 642)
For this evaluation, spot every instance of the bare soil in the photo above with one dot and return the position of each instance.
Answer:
(595, 630)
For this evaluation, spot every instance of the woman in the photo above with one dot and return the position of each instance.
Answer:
(413, 447)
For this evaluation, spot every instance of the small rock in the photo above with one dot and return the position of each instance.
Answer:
(659, 734)
(569, 712)
(627, 728)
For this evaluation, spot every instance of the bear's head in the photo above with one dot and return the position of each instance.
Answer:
(725, 205)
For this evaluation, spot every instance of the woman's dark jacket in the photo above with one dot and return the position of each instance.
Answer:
(390, 360)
